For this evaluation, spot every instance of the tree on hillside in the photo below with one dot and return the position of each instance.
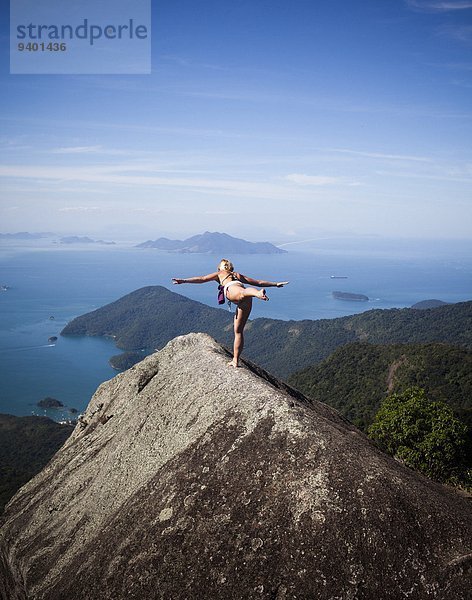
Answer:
(425, 435)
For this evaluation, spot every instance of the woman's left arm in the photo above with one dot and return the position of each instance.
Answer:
(260, 282)
(202, 279)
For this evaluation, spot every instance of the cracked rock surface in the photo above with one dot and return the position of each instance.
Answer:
(186, 478)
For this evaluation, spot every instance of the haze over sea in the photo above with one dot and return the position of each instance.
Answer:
(48, 280)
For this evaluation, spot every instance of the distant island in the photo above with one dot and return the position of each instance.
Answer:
(24, 235)
(349, 296)
(71, 239)
(74, 239)
(213, 243)
(49, 402)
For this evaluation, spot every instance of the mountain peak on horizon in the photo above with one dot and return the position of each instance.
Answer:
(185, 478)
(212, 243)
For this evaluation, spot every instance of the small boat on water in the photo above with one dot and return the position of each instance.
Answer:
(338, 276)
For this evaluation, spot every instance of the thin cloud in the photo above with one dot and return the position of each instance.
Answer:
(461, 83)
(460, 33)
(81, 125)
(334, 104)
(436, 6)
(458, 66)
(301, 179)
(78, 150)
(183, 61)
(446, 176)
(14, 143)
(380, 155)
(144, 176)
(98, 149)
(80, 209)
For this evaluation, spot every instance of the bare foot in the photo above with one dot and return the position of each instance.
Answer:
(262, 295)
(233, 364)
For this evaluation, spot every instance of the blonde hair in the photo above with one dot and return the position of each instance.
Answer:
(225, 265)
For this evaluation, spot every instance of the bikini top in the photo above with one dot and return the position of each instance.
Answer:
(229, 275)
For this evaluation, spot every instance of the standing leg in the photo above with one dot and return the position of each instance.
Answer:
(243, 311)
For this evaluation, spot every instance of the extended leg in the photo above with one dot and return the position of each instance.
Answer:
(237, 293)
(251, 292)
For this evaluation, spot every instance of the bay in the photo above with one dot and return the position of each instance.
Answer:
(50, 285)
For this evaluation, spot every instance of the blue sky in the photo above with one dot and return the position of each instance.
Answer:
(266, 119)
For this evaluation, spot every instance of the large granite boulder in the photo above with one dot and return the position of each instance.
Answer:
(186, 478)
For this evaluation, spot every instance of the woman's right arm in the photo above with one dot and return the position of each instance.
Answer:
(202, 279)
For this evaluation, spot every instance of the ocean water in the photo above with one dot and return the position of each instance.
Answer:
(50, 285)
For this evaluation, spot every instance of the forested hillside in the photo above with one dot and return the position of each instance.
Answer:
(149, 318)
(357, 377)
(284, 347)
(152, 316)
(26, 446)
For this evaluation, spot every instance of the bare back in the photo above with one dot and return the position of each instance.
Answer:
(227, 276)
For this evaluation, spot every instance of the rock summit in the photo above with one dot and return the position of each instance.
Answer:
(186, 478)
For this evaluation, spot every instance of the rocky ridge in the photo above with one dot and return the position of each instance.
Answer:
(186, 478)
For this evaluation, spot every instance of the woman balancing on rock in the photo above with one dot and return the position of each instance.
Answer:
(235, 291)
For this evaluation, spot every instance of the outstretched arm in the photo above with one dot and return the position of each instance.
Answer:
(260, 282)
(202, 279)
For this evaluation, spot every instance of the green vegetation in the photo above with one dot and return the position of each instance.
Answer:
(357, 377)
(428, 304)
(124, 361)
(423, 434)
(150, 317)
(284, 347)
(26, 446)
(372, 386)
